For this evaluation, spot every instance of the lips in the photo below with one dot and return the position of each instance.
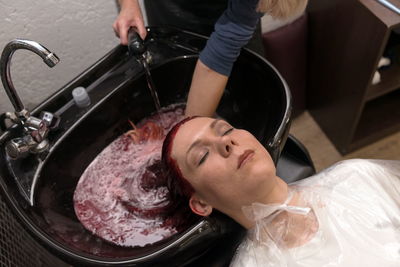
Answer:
(247, 154)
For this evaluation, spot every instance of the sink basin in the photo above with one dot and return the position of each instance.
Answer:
(39, 188)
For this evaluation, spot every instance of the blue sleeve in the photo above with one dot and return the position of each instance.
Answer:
(233, 30)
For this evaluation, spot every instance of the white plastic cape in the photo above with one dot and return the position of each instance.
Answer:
(350, 217)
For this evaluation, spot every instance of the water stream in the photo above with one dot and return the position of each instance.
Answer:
(151, 84)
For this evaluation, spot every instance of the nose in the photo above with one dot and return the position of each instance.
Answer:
(225, 146)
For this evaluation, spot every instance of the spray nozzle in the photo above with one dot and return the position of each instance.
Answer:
(136, 45)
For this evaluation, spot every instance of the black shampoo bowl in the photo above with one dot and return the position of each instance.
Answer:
(39, 188)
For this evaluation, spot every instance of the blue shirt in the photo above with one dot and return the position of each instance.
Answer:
(233, 30)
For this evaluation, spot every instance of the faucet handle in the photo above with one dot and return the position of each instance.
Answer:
(19, 147)
(52, 121)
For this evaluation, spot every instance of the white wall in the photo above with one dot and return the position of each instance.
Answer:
(79, 32)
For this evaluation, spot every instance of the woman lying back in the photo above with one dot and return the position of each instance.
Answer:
(347, 215)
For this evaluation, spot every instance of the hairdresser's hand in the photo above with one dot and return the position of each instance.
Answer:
(129, 16)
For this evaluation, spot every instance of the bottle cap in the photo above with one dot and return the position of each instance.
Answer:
(81, 97)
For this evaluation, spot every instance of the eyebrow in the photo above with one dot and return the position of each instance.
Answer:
(212, 126)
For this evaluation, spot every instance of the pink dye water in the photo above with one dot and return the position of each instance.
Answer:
(122, 197)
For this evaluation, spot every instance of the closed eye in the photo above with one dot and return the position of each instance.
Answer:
(203, 158)
(228, 131)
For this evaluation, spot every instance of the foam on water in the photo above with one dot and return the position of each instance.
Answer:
(122, 196)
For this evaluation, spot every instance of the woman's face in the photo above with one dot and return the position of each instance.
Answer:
(227, 167)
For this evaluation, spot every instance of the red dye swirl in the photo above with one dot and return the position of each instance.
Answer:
(122, 195)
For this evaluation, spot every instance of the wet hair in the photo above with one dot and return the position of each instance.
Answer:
(179, 187)
(282, 9)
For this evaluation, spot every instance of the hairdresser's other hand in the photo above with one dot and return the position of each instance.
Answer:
(129, 16)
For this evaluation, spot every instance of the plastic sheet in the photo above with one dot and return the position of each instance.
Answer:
(347, 215)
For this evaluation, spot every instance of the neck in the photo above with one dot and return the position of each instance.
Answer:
(276, 195)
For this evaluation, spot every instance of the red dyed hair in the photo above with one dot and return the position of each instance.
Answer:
(177, 184)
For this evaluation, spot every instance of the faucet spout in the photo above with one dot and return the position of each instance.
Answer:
(48, 57)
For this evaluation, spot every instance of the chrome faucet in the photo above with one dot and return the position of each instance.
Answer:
(35, 129)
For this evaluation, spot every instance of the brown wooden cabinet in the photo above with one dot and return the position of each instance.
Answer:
(347, 38)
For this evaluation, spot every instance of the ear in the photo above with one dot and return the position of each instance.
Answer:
(199, 206)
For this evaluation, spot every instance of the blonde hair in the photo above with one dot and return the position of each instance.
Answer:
(282, 9)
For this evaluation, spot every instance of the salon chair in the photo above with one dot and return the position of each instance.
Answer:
(295, 162)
